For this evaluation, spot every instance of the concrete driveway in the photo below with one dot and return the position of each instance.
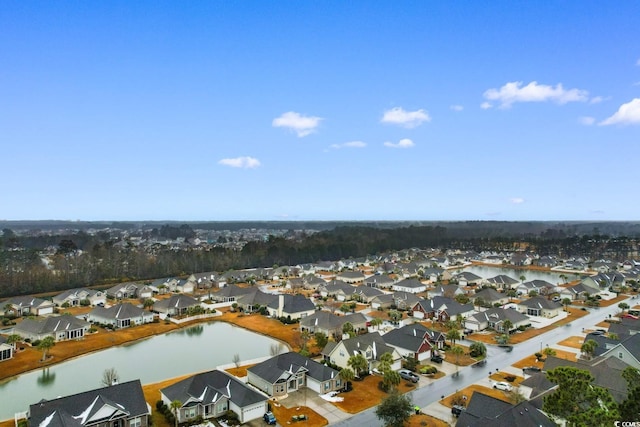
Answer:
(309, 398)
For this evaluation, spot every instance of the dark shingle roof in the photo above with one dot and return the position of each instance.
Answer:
(209, 387)
(50, 325)
(272, 369)
(409, 337)
(77, 409)
(540, 302)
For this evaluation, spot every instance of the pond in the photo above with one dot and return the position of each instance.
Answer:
(194, 349)
(549, 276)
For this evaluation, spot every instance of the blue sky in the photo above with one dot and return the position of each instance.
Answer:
(319, 110)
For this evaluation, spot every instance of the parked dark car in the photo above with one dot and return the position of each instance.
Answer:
(436, 358)
(532, 369)
(408, 375)
(269, 418)
(456, 410)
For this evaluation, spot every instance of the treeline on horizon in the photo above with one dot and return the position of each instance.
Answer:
(99, 262)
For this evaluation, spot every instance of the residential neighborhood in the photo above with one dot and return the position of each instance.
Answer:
(392, 319)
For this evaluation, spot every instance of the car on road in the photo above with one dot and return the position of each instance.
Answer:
(408, 375)
(269, 418)
(502, 386)
(436, 358)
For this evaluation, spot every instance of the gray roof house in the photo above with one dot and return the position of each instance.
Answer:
(365, 294)
(370, 345)
(288, 372)
(410, 341)
(350, 276)
(120, 315)
(540, 306)
(340, 290)
(542, 287)
(411, 285)
(490, 296)
(488, 411)
(494, 318)
(381, 281)
(331, 324)
(294, 306)
(255, 298)
(176, 305)
(121, 405)
(60, 328)
(627, 351)
(467, 278)
(22, 306)
(123, 290)
(502, 281)
(441, 309)
(6, 350)
(211, 394)
(230, 293)
(73, 297)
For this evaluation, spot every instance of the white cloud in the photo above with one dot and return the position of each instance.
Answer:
(627, 114)
(598, 99)
(457, 107)
(587, 121)
(407, 119)
(301, 125)
(638, 62)
(351, 144)
(513, 92)
(516, 200)
(486, 105)
(241, 162)
(403, 143)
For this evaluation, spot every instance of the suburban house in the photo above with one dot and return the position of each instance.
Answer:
(60, 328)
(380, 281)
(365, 294)
(540, 306)
(186, 286)
(546, 261)
(541, 287)
(627, 351)
(293, 306)
(449, 291)
(405, 300)
(6, 350)
(410, 341)
(120, 315)
(211, 394)
(176, 305)
(123, 291)
(165, 285)
(250, 301)
(494, 318)
(350, 276)
(312, 282)
(229, 293)
(382, 301)
(288, 372)
(441, 309)
(467, 278)
(605, 280)
(331, 324)
(338, 289)
(502, 281)
(23, 306)
(74, 297)
(120, 405)
(490, 296)
(579, 291)
(484, 410)
(433, 274)
(146, 292)
(413, 286)
(370, 345)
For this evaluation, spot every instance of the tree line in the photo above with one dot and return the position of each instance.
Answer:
(81, 259)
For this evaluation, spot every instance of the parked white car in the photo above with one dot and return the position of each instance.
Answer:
(503, 386)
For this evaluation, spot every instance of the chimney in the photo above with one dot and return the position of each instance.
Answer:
(280, 304)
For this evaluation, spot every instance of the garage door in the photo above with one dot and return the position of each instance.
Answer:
(253, 412)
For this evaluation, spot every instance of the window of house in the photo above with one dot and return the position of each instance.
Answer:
(190, 412)
(135, 422)
(221, 407)
(326, 386)
(337, 383)
(619, 355)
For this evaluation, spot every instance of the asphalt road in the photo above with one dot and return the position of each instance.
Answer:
(497, 358)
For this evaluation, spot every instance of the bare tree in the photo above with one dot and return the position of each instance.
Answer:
(236, 359)
(109, 377)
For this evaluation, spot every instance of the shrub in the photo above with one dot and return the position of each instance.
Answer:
(510, 378)
(159, 405)
(35, 343)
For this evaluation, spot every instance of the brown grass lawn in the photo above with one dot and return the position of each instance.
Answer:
(613, 301)
(500, 376)
(462, 360)
(240, 371)
(575, 342)
(603, 324)
(499, 394)
(284, 415)
(487, 338)
(366, 394)
(289, 334)
(29, 359)
(531, 360)
(423, 421)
